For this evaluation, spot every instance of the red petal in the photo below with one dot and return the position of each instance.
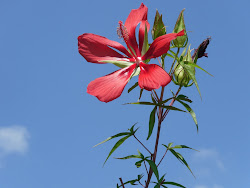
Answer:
(110, 87)
(134, 18)
(152, 77)
(142, 33)
(161, 45)
(95, 48)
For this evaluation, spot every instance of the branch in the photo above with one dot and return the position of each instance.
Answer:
(142, 144)
(122, 182)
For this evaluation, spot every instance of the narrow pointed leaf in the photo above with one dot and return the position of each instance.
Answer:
(141, 91)
(173, 183)
(163, 102)
(163, 106)
(195, 65)
(154, 168)
(109, 138)
(169, 145)
(189, 109)
(151, 122)
(130, 157)
(182, 146)
(170, 55)
(116, 146)
(181, 159)
(157, 186)
(133, 87)
(184, 98)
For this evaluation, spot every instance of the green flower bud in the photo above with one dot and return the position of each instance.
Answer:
(159, 28)
(181, 76)
(179, 26)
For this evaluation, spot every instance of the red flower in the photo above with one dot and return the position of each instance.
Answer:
(98, 49)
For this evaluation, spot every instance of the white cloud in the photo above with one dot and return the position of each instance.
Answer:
(209, 155)
(13, 139)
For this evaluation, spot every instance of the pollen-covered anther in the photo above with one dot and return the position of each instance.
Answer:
(122, 32)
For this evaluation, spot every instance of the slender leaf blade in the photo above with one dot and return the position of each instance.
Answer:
(197, 66)
(130, 157)
(189, 109)
(173, 183)
(181, 159)
(151, 122)
(133, 87)
(116, 146)
(153, 167)
(182, 146)
(114, 136)
(183, 98)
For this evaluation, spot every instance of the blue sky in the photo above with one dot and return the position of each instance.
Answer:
(48, 123)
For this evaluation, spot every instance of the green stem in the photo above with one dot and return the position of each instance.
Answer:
(178, 50)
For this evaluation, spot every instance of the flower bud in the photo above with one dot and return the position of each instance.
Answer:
(159, 28)
(202, 49)
(181, 76)
(179, 26)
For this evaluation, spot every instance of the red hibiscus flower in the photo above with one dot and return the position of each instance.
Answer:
(98, 49)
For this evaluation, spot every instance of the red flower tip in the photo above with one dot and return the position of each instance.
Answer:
(142, 5)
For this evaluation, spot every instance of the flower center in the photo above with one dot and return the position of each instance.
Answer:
(138, 60)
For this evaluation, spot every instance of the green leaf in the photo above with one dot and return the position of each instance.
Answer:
(182, 146)
(151, 122)
(153, 100)
(130, 157)
(157, 186)
(138, 163)
(109, 138)
(188, 69)
(189, 109)
(162, 106)
(121, 64)
(140, 94)
(116, 146)
(172, 108)
(169, 55)
(163, 102)
(133, 87)
(169, 145)
(183, 98)
(153, 167)
(132, 131)
(195, 65)
(143, 103)
(173, 183)
(181, 159)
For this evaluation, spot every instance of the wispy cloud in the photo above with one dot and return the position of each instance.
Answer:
(13, 139)
(209, 155)
(204, 186)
